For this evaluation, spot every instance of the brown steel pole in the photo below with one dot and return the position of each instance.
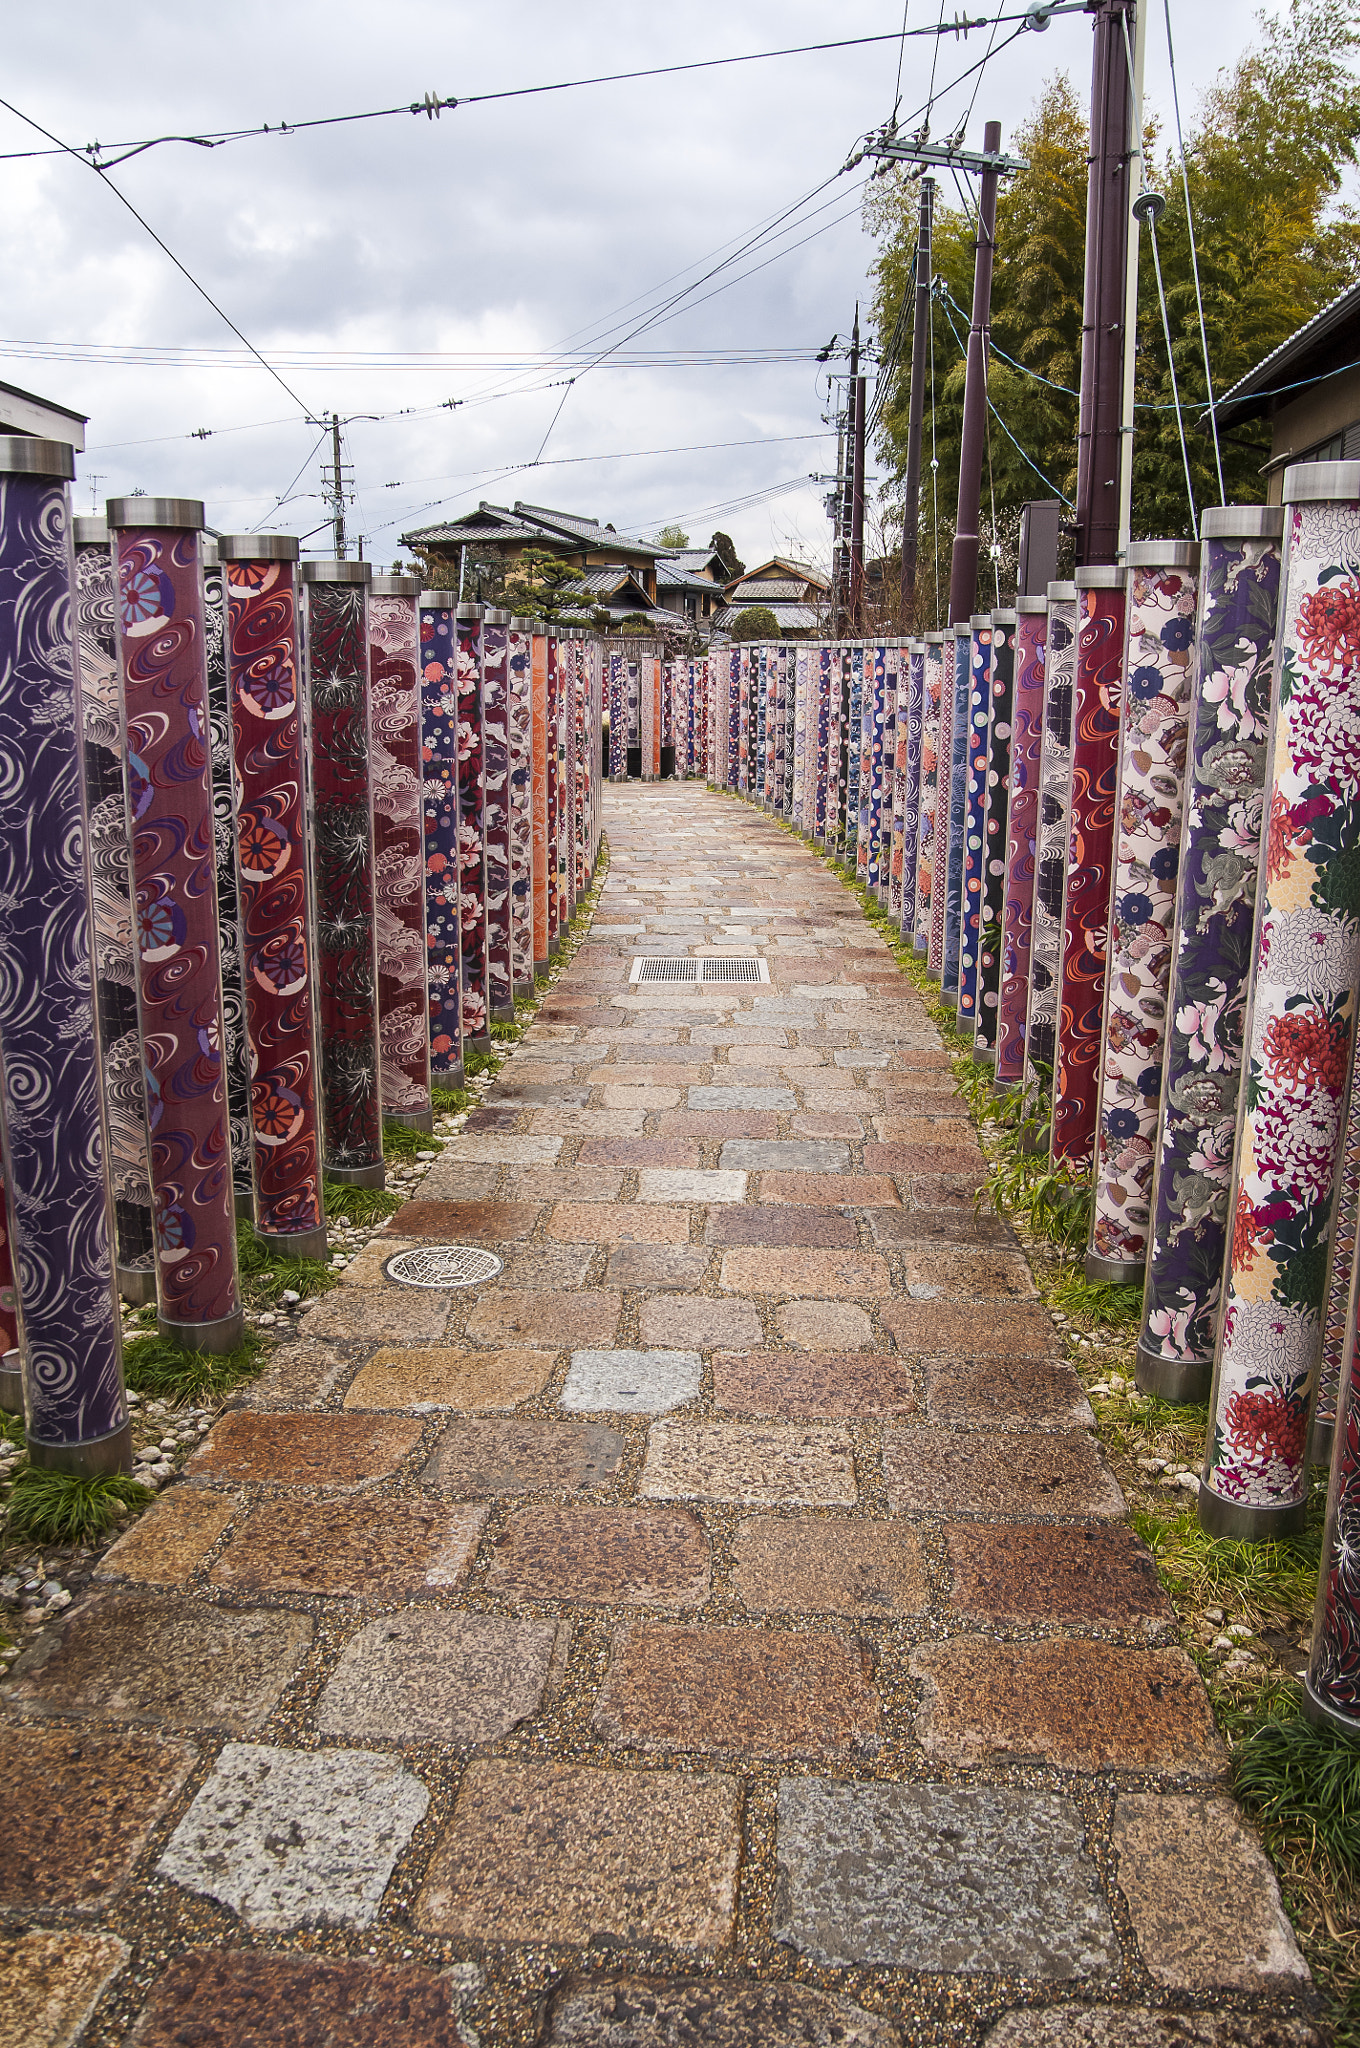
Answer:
(1108, 200)
(857, 511)
(920, 348)
(964, 567)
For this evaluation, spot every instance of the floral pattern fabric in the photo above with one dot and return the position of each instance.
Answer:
(520, 725)
(974, 821)
(1050, 871)
(995, 818)
(398, 852)
(954, 727)
(1022, 838)
(931, 837)
(439, 783)
(228, 908)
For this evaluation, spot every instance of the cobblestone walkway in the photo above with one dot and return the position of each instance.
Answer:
(718, 1629)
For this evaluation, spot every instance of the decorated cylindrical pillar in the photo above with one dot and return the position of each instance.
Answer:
(798, 655)
(521, 727)
(399, 849)
(1331, 1694)
(277, 935)
(538, 671)
(974, 819)
(618, 714)
(828, 770)
(1219, 857)
(161, 645)
(1162, 589)
(954, 726)
(496, 812)
(1090, 859)
(854, 662)
(471, 830)
(54, 1142)
(570, 817)
(1055, 798)
(995, 820)
(556, 665)
(1022, 834)
(115, 974)
(439, 798)
(931, 834)
(1299, 1029)
(649, 700)
(889, 821)
(228, 908)
(336, 662)
(910, 699)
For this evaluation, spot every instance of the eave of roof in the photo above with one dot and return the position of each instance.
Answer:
(1251, 395)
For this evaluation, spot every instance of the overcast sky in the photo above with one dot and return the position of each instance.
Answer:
(484, 257)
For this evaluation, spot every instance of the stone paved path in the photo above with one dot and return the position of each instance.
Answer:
(718, 1629)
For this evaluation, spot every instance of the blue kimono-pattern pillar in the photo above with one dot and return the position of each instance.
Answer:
(1050, 860)
(970, 907)
(910, 730)
(822, 767)
(618, 716)
(886, 660)
(854, 711)
(54, 1141)
(111, 905)
(960, 724)
(993, 905)
(228, 908)
(930, 838)
(179, 990)
(439, 771)
(1022, 838)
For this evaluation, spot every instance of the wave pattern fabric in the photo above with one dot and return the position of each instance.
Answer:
(398, 866)
(910, 701)
(228, 909)
(111, 906)
(1299, 1030)
(543, 885)
(1152, 747)
(179, 994)
(439, 776)
(932, 837)
(520, 732)
(276, 919)
(974, 821)
(496, 814)
(1055, 799)
(472, 919)
(55, 1162)
(1022, 834)
(954, 728)
(995, 816)
(1090, 857)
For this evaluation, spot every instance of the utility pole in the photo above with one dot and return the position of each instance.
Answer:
(337, 489)
(1137, 173)
(857, 413)
(1104, 331)
(964, 567)
(847, 519)
(920, 344)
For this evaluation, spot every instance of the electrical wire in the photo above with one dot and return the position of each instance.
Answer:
(1171, 365)
(1194, 256)
(901, 53)
(934, 458)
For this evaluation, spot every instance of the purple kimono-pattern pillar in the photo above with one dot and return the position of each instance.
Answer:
(974, 820)
(336, 655)
(1332, 1688)
(823, 768)
(995, 817)
(929, 869)
(1152, 742)
(471, 843)
(956, 726)
(1216, 899)
(55, 1145)
(887, 774)
(556, 663)
(520, 731)
(179, 992)
(732, 717)
(228, 909)
(270, 833)
(1050, 861)
(398, 849)
(1299, 1031)
(799, 790)
(439, 779)
(780, 658)
(1022, 834)
(496, 813)
(120, 1041)
(618, 716)
(910, 707)
(571, 677)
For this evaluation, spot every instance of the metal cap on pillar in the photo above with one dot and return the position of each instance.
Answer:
(257, 547)
(26, 455)
(90, 531)
(395, 586)
(336, 572)
(179, 513)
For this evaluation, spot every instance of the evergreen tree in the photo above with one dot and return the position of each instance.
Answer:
(542, 586)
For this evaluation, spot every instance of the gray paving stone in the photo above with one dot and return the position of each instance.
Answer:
(931, 1877)
(690, 1184)
(708, 2012)
(680, 1267)
(547, 1266)
(432, 1677)
(1096, 2026)
(631, 1382)
(522, 1455)
(741, 1098)
(287, 1838)
(793, 1155)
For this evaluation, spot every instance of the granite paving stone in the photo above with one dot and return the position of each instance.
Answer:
(434, 1677)
(51, 1983)
(795, 1155)
(525, 1316)
(677, 1184)
(169, 1542)
(154, 1658)
(1006, 1393)
(548, 1852)
(654, 1153)
(531, 1150)
(296, 1375)
(365, 1314)
(710, 1125)
(1090, 1572)
(698, 1322)
(949, 1227)
(871, 1570)
(595, 1223)
(339, 1452)
(741, 1096)
(478, 1460)
(1084, 1706)
(824, 1325)
(932, 1130)
(441, 1376)
(251, 1998)
(1203, 1898)
(1020, 1474)
(753, 1464)
(291, 1838)
(829, 1191)
(813, 1383)
(80, 1807)
(340, 1549)
(830, 1275)
(631, 1382)
(646, 1557)
(935, 1877)
(738, 1692)
(1104, 2026)
(571, 1184)
(469, 1222)
(755, 1224)
(959, 1273)
(707, 2012)
(662, 1267)
(975, 1328)
(936, 1160)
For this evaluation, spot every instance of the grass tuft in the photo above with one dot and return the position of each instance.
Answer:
(1303, 1781)
(359, 1205)
(401, 1142)
(165, 1371)
(12, 1429)
(1097, 1304)
(57, 1507)
(1272, 1584)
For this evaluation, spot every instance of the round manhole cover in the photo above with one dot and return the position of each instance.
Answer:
(442, 1265)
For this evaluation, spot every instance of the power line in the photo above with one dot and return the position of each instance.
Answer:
(1194, 256)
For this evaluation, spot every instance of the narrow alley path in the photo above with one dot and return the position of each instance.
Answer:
(717, 1628)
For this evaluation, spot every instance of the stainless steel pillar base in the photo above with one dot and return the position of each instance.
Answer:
(503, 1013)
(1320, 1444)
(358, 1176)
(1323, 1716)
(223, 1335)
(244, 1199)
(1035, 1140)
(301, 1244)
(486, 1043)
(1118, 1272)
(1177, 1380)
(137, 1284)
(1001, 1089)
(411, 1119)
(1242, 1524)
(984, 1055)
(97, 1459)
(524, 991)
(11, 1384)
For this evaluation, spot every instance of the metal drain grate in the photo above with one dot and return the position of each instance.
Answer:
(698, 973)
(442, 1265)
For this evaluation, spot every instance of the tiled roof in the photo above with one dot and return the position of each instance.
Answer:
(753, 593)
(792, 618)
(588, 530)
(670, 575)
(1273, 370)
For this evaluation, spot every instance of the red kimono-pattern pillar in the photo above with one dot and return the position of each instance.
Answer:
(439, 782)
(472, 920)
(539, 646)
(1022, 838)
(399, 850)
(496, 813)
